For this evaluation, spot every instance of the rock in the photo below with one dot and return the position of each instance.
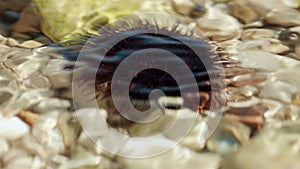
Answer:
(13, 129)
(295, 29)
(20, 36)
(188, 8)
(4, 30)
(241, 93)
(32, 146)
(14, 153)
(12, 42)
(289, 75)
(28, 22)
(292, 3)
(218, 25)
(30, 66)
(258, 34)
(263, 7)
(83, 159)
(268, 45)
(243, 11)
(248, 79)
(21, 162)
(43, 40)
(36, 81)
(297, 51)
(278, 90)
(72, 17)
(290, 37)
(252, 115)
(245, 103)
(264, 61)
(15, 5)
(285, 17)
(4, 147)
(47, 105)
(46, 133)
(279, 148)
(2, 40)
(30, 44)
(28, 117)
(228, 137)
(56, 72)
(256, 24)
(70, 128)
(184, 159)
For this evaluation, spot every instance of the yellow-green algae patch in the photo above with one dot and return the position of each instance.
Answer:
(65, 20)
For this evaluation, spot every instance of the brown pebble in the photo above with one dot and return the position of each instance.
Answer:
(28, 117)
(243, 11)
(28, 22)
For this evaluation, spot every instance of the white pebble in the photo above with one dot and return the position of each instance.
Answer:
(4, 147)
(13, 129)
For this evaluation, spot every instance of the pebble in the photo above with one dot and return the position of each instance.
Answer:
(278, 147)
(47, 134)
(13, 129)
(28, 117)
(30, 44)
(245, 103)
(20, 162)
(12, 42)
(184, 159)
(70, 128)
(43, 40)
(219, 25)
(248, 79)
(243, 11)
(263, 7)
(255, 24)
(284, 91)
(15, 5)
(183, 7)
(47, 105)
(297, 51)
(4, 147)
(32, 146)
(264, 61)
(289, 75)
(82, 160)
(2, 39)
(228, 137)
(285, 17)
(30, 66)
(269, 45)
(14, 153)
(55, 71)
(258, 34)
(240, 94)
(20, 36)
(292, 3)
(29, 21)
(37, 81)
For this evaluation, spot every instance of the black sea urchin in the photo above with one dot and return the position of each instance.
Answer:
(116, 42)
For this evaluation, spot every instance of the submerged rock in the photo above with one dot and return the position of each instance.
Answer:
(243, 11)
(285, 17)
(228, 137)
(219, 25)
(75, 18)
(279, 148)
